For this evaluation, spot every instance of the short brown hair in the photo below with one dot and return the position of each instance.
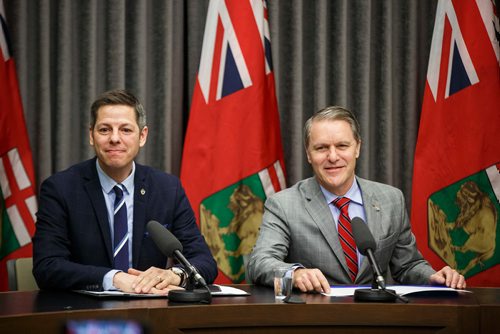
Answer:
(332, 113)
(118, 97)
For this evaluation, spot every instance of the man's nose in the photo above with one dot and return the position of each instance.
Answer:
(332, 154)
(115, 135)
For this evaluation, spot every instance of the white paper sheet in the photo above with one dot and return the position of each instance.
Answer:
(223, 291)
(341, 291)
(229, 291)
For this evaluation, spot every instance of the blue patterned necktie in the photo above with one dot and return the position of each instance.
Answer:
(120, 253)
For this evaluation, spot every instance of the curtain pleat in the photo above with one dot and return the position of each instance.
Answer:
(370, 56)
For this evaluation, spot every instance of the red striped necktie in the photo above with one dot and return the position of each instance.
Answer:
(346, 237)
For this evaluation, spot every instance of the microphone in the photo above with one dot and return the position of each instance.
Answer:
(366, 245)
(170, 246)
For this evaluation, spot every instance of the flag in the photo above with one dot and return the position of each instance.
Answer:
(456, 182)
(233, 156)
(18, 203)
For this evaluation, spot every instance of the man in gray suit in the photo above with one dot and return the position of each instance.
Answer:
(300, 224)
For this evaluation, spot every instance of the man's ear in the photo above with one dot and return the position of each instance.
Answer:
(358, 149)
(143, 136)
(308, 156)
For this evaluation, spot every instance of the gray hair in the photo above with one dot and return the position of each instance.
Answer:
(118, 97)
(332, 113)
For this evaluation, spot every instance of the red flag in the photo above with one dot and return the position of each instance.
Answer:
(233, 155)
(18, 203)
(456, 181)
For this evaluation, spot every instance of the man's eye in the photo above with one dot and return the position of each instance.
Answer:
(103, 130)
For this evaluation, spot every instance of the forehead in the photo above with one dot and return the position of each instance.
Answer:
(333, 129)
(116, 113)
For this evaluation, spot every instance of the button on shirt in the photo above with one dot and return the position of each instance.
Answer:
(107, 185)
(356, 208)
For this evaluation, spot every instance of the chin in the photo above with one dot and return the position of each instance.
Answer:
(335, 186)
(115, 164)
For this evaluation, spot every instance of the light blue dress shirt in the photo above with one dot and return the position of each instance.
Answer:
(107, 184)
(356, 208)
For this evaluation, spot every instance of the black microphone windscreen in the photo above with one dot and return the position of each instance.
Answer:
(163, 238)
(362, 235)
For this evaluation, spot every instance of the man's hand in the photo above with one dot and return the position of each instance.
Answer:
(448, 277)
(153, 280)
(310, 280)
(124, 282)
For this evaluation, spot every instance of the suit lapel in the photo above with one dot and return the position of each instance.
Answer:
(140, 195)
(94, 191)
(318, 209)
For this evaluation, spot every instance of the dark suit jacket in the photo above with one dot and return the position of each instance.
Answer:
(72, 244)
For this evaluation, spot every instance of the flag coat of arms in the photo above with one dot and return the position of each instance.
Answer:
(18, 203)
(456, 182)
(233, 156)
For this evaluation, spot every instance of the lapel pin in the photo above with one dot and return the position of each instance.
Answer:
(143, 191)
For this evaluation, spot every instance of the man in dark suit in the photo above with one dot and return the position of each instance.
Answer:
(302, 227)
(77, 243)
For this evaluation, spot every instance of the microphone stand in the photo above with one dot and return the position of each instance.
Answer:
(377, 293)
(191, 294)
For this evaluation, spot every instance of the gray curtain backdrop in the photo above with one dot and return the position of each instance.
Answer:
(370, 56)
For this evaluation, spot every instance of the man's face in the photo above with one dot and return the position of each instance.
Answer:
(332, 153)
(116, 138)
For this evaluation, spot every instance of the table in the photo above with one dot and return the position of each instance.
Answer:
(47, 312)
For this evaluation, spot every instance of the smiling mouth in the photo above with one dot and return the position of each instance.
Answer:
(334, 168)
(112, 152)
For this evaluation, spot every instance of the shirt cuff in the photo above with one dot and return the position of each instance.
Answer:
(290, 271)
(107, 281)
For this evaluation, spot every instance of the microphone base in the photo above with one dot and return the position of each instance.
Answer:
(375, 295)
(190, 296)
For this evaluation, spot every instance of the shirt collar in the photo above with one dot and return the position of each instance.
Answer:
(107, 183)
(354, 194)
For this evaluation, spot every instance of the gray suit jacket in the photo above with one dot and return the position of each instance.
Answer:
(298, 228)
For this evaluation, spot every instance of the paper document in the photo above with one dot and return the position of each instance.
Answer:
(341, 291)
(228, 291)
(215, 290)
(115, 293)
